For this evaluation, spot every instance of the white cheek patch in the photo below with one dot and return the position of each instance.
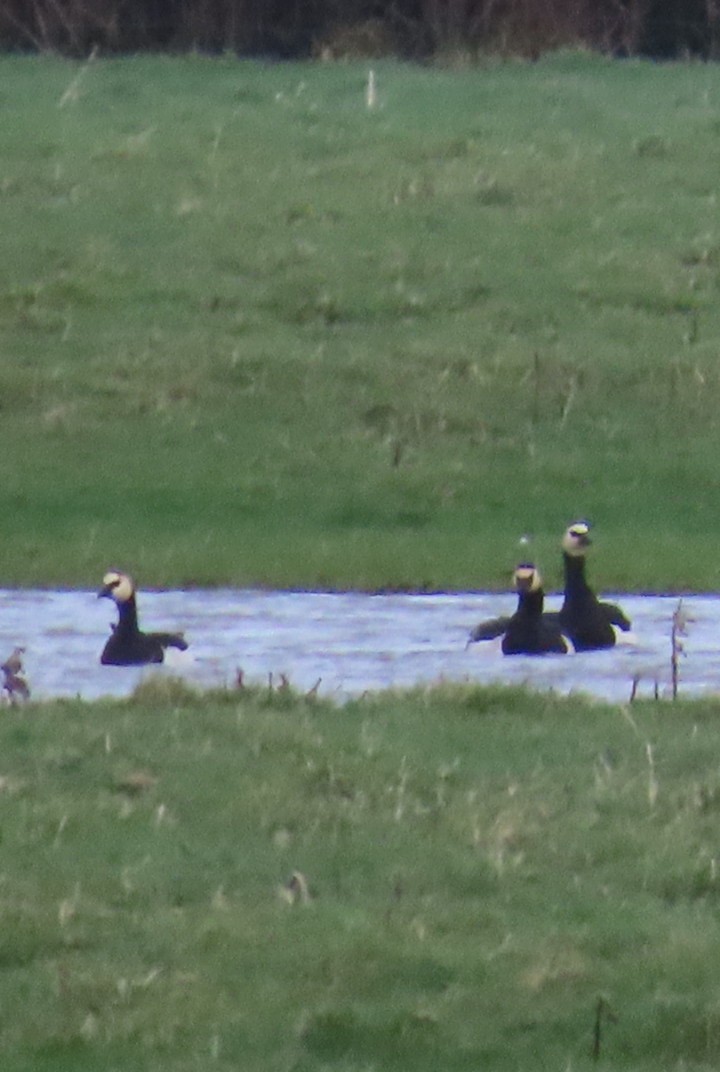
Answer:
(529, 577)
(573, 535)
(122, 587)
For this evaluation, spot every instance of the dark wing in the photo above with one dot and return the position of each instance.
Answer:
(616, 616)
(170, 640)
(489, 629)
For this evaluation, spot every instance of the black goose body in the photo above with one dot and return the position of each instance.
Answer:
(529, 631)
(127, 644)
(588, 621)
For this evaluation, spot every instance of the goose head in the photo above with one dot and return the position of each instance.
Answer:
(576, 539)
(117, 586)
(527, 578)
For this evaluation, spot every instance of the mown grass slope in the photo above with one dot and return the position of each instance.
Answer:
(253, 331)
(452, 878)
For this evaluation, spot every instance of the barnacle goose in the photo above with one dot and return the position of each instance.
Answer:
(128, 645)
(529, 631)
(588, 622)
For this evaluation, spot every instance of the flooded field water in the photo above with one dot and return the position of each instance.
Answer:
(352, 642)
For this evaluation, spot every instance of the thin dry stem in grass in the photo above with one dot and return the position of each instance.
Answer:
(678, 631)
(61, 826)
(71, 94)
(637, 678)
(568, 400)
(630, 720)
(400, 791)
(653, 785)
(371, 91)
(603, 1014)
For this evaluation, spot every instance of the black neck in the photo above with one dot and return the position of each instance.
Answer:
(531, 603)
(127, 620)
(575, 571)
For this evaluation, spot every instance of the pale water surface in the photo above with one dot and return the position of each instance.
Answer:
(351, 642)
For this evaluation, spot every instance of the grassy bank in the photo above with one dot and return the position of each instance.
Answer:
(474, 871)
(255, 332)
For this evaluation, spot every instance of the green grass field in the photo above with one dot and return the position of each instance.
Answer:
(476, 870)
(253, 332)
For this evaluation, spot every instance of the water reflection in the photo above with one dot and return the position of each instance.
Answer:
(352, 642)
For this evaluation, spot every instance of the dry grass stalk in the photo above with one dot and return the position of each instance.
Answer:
(653, 786)
(312, 692)
(402, 785)
(371, 91)
(603, 1013)
(678, 630)
(71, 93)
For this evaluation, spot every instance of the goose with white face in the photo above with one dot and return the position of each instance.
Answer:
(527, 578)
(128, 645)
(590, 623)
(117, 586)
(529, 631)
(576, 539)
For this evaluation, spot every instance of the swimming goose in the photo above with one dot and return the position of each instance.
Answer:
(589, 623)
(529, 631)
(127, 645)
